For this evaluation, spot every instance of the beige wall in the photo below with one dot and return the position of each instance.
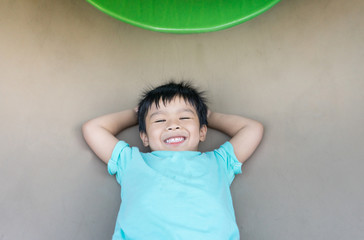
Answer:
(298, 68)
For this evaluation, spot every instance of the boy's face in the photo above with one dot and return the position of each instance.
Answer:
(174, 127)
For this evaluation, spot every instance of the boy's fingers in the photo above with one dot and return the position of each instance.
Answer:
(208, 113)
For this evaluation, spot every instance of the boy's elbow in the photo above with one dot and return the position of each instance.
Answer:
(259, 129)
(86, 129)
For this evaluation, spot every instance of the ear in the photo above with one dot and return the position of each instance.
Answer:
(144, 138)
(203, 132)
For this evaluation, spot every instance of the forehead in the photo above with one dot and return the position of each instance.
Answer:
(177, 104)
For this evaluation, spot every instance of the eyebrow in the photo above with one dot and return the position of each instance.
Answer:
(161, 112)
(155, 113)
(187, 110)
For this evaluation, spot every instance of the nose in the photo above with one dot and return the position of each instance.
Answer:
(173, 125)
(173, 128)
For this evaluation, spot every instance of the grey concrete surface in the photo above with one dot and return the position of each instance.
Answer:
(298, 69)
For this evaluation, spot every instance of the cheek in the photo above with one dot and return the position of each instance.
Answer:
(154, 133)
(197, 131)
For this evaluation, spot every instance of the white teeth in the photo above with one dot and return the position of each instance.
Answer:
(174, 140)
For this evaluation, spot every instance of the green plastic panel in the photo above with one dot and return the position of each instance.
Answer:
(183, 16)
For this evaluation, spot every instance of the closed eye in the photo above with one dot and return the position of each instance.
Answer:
(159, 121)
(184, 118)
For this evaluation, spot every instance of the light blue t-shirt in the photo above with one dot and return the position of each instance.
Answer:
(175, 195)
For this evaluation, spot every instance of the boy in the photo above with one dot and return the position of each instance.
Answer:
(174, 192)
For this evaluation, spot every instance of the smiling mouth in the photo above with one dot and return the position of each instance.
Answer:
(175, 140)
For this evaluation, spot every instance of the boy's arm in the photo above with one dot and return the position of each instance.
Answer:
(100, 132)
(245, 133)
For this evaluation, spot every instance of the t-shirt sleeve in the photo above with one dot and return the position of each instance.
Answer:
(227, 158)
(119, 159)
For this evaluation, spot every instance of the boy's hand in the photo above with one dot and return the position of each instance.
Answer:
(208, 114)
(245, 133)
